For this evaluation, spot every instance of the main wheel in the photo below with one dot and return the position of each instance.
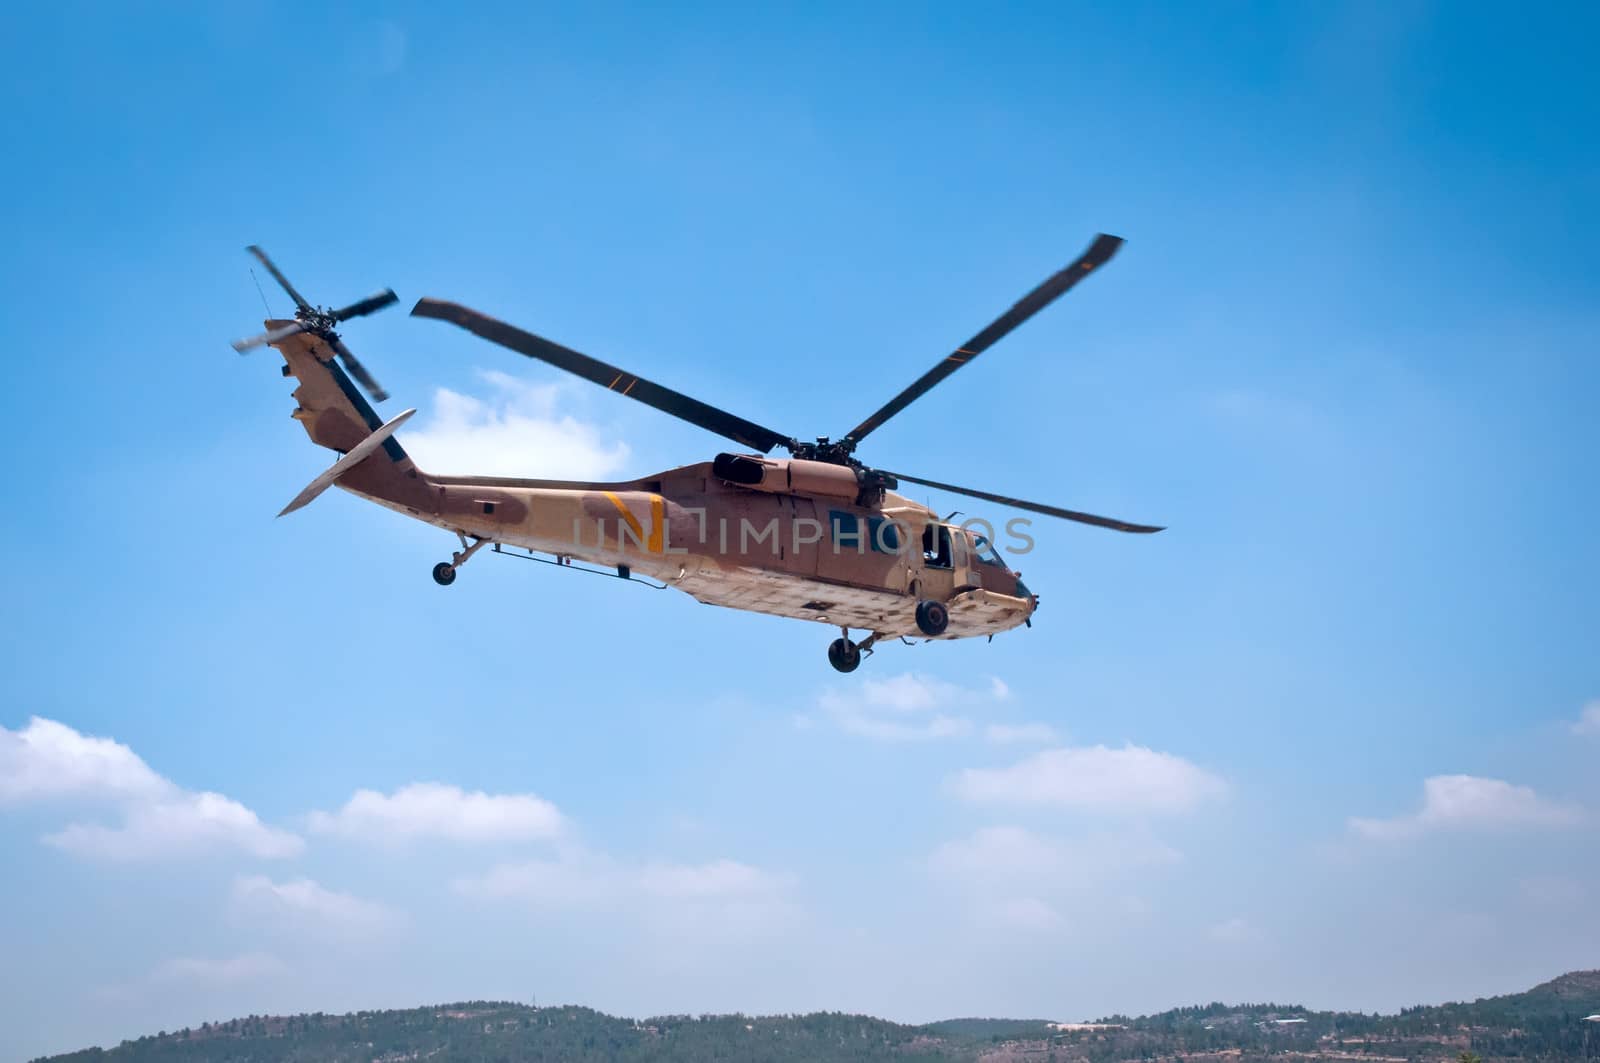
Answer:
(932, 618)
(444, 573)
(844, 655)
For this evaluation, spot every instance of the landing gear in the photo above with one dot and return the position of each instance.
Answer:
(444, 573)
(932, 618)
(844, 655)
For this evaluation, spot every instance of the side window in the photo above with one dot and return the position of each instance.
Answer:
(847, 531)
(885, 535)
(936, 546)
(850, 532)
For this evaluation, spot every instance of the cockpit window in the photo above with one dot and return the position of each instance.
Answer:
(985, 551)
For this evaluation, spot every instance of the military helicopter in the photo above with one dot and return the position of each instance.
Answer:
(817, 536)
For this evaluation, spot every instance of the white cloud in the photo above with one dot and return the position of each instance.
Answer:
(1132, 778)
(517, 431)
(1465, 802)
(905, 708)
(1004, 734)
(1588, 721)
(184, 821)
(303, 901)
(49, 761)
(430, 810)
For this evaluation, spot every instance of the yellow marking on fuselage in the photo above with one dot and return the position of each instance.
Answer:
(655, 542)
(658, 524)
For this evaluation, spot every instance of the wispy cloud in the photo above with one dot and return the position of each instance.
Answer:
(49, 761)
(197, 972)
(1019, 855)
(1030, 915)
(246, 967)
(304, 902)
(517, 431)
(1017, 878)
(1551, 891)
(688, 914)
(1588, 721)
(578, 879)
(431, 810)
(1235, 931)
(907, 707)
(1006, 734)
(1468, 802)
(1130, 779)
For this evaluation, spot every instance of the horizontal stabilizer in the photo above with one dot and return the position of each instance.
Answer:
(356, 456)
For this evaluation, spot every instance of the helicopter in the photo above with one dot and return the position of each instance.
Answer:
(818, 536)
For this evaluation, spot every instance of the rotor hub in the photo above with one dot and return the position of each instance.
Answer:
(317, 320)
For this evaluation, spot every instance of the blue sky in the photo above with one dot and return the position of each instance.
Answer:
(1331, 738)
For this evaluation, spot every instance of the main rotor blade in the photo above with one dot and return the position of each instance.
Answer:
(245, 346)
(1036, 507)
(368, 305)
(359, 371)
(1099, 254)
(607, 376)
(278, 276)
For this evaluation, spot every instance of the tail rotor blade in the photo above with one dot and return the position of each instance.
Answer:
(246, 346)
(277, 275)
(359, 371)
(1036, 507)
(368, 305)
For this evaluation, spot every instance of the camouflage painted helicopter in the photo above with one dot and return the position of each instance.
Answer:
(816, 536)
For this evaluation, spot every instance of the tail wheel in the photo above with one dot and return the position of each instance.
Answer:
(932, 618)
(444, 573)
(844, 655)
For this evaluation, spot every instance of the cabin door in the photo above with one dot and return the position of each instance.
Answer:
(799, 529)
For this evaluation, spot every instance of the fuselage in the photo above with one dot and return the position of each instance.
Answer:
(819, 557)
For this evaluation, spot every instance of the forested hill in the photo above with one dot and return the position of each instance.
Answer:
(1548, 1022)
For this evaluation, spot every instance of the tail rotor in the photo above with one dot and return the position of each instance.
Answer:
(320, 322)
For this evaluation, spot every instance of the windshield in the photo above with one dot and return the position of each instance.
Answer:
(986, 551)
